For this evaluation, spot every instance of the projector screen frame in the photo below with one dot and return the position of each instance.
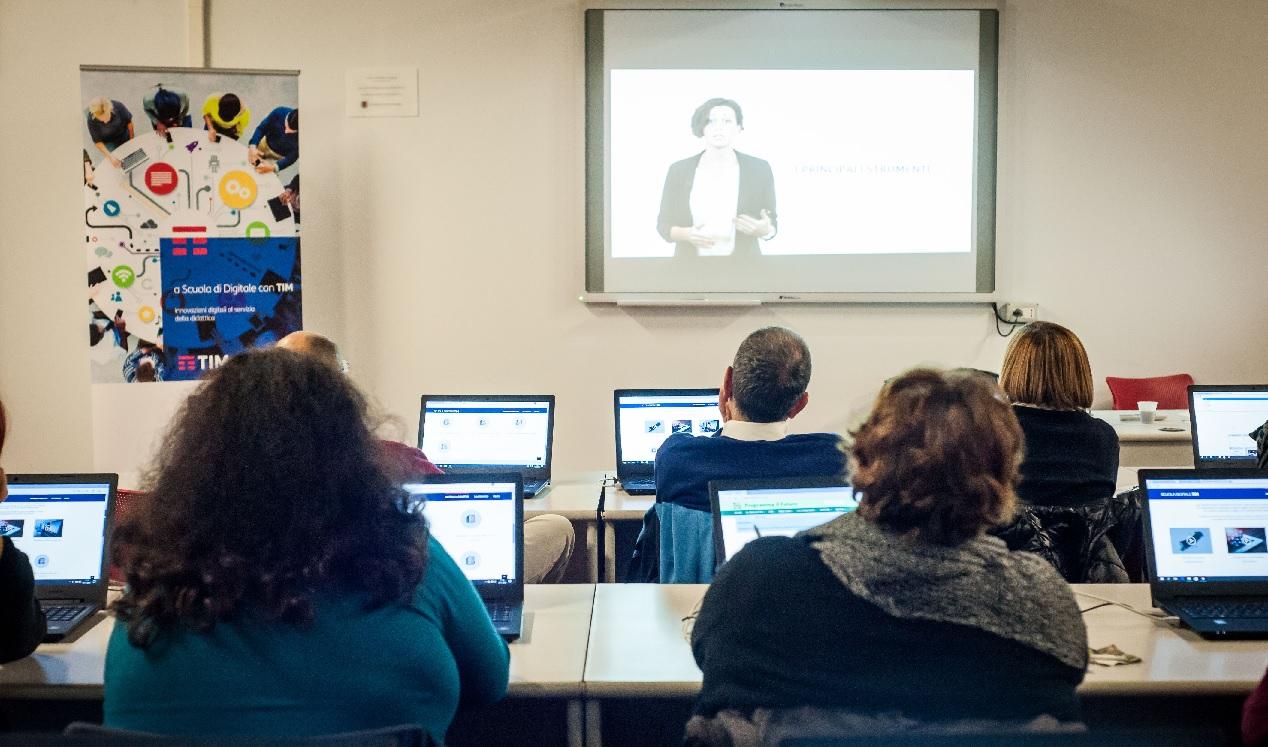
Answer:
(986, 148)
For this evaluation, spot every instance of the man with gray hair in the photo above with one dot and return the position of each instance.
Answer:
(762, 389)
(548, 538)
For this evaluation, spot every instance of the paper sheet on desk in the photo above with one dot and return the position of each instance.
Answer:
(1110, 656)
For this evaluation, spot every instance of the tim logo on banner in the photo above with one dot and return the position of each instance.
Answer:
(224, 295)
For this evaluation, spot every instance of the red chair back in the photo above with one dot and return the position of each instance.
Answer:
(1170, 392)
(125, 506)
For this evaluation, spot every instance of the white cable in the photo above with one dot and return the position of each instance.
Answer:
(1159, 615)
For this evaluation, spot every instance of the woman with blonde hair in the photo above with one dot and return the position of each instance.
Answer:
(109, 126)
(1071, 457)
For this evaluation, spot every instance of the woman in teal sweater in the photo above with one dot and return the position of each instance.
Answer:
(275, 586)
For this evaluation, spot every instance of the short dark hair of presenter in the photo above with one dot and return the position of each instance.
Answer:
(701, 116)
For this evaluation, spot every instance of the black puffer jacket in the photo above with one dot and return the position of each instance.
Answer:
(1092, 543)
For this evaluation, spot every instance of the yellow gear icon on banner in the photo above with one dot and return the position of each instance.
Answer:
(237, 190)
(145, 314)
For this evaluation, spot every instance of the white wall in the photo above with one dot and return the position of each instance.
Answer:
(43, 276)
(445, 252)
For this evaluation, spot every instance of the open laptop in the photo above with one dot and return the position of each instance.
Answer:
(62, 523)
(1206, 543)
(646, 417)
(1222, 417)
(468, 433)
(479, 520)
(133, 159)
(744, 510)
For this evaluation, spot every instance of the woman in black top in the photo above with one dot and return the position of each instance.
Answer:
(719, 202)
(21, 619)
(1071, 457)
(904, 613)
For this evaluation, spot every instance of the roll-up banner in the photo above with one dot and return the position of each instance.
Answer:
(191, 225)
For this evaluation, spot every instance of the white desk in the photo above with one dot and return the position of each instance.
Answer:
(637, 644)
(1176, 661)
(61, 671)
(637, 647)
(1156, 443)
(547, 662)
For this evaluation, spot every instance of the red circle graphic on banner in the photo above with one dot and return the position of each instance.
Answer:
(160, 178)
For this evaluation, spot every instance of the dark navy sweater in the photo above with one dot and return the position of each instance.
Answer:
(685, 464)
(273, 131)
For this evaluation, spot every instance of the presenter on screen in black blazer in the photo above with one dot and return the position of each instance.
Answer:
(719, 202)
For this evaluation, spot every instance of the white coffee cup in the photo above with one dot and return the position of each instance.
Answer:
(1147, 410)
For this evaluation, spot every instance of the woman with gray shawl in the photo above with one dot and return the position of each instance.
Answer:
(903, 615)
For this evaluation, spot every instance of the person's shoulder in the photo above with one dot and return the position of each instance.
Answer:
(747, 161)
(678, 441)
(781, 550)
(441, 576)
(1100, 426)
(818, 441)
(823, 437)
(771, 558)
(687, 164)
(1037, 582)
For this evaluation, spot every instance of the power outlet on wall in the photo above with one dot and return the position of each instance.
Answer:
(1020, 313)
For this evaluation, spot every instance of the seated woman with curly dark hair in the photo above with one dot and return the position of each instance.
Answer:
(275, 587)
(904, 614)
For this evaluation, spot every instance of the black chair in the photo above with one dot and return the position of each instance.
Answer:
(406, 735)
(1093, 543)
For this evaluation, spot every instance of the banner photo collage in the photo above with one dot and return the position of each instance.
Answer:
(191, 217)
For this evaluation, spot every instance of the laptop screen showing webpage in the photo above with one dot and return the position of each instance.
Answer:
(748, 513)
(61, 527)
(644, 422)
(484, 433)
(476, 524)
(1222, 422)
(1209, 530)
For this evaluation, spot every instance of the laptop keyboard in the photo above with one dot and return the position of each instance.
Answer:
(63, 612)
(501, 613)
(134, 158)
(644, 484)
(1228, 610)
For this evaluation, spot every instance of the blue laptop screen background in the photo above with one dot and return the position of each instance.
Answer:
(645, 422)
(464, 433)
(475, 523)
(1209, 529)
(60, 527)
(778, 512)
(1223, 421)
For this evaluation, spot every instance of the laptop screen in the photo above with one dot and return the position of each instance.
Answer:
(477, 524)
(61, 527)
(1208, 529)
(746, 511)
(474, 432)
(1223, 418)
(645, 420)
